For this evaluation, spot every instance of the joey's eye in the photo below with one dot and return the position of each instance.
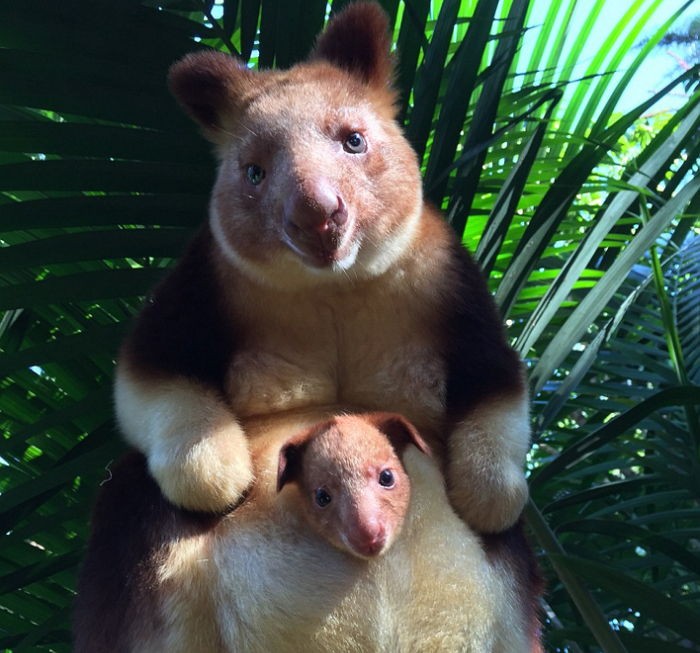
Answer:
(386, 478)
(322, 497)
(254, 173)
(355, 143)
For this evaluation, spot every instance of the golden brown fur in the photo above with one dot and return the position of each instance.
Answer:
(321, 282)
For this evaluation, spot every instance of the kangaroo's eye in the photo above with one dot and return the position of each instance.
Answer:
(254, 173)
(355, 143)
(322, 497)
(386, 478)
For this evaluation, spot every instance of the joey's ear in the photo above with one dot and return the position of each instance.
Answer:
(357, 39)
(399, 431)
(291, 457)
(289, 463)
(209, 86)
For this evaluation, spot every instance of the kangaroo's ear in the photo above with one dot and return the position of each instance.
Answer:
(357, 40)
(399, 431)
(289, 463)
(211, 87)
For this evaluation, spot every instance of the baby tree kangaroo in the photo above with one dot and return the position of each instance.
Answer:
(355, 491)
(320, 279)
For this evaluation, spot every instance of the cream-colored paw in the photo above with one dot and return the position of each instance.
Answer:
(208, 475)
(490, 503)
(485, 460)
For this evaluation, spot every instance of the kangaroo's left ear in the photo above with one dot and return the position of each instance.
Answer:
(357, 40)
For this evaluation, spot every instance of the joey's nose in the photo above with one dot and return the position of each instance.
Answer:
(370, 540)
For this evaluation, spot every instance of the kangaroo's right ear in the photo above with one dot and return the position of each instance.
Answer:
(211, 87)
(358, 40)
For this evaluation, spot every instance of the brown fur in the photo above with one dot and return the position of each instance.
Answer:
(320, 279)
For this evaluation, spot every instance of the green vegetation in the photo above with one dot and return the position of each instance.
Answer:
(584, 216)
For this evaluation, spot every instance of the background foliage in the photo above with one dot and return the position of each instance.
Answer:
(584, 216)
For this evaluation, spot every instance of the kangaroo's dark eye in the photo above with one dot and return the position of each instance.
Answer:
(322, 497)
(254, 173)
(386, 478)
(355, 143)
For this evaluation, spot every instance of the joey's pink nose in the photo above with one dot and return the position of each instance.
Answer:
(370, 540)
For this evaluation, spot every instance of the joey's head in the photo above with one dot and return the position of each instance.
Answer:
(355, 491)
(316, 180)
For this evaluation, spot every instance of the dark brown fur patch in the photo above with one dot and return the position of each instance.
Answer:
(182, 329)
(480, 362)
(132, 526)
(512, 550)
